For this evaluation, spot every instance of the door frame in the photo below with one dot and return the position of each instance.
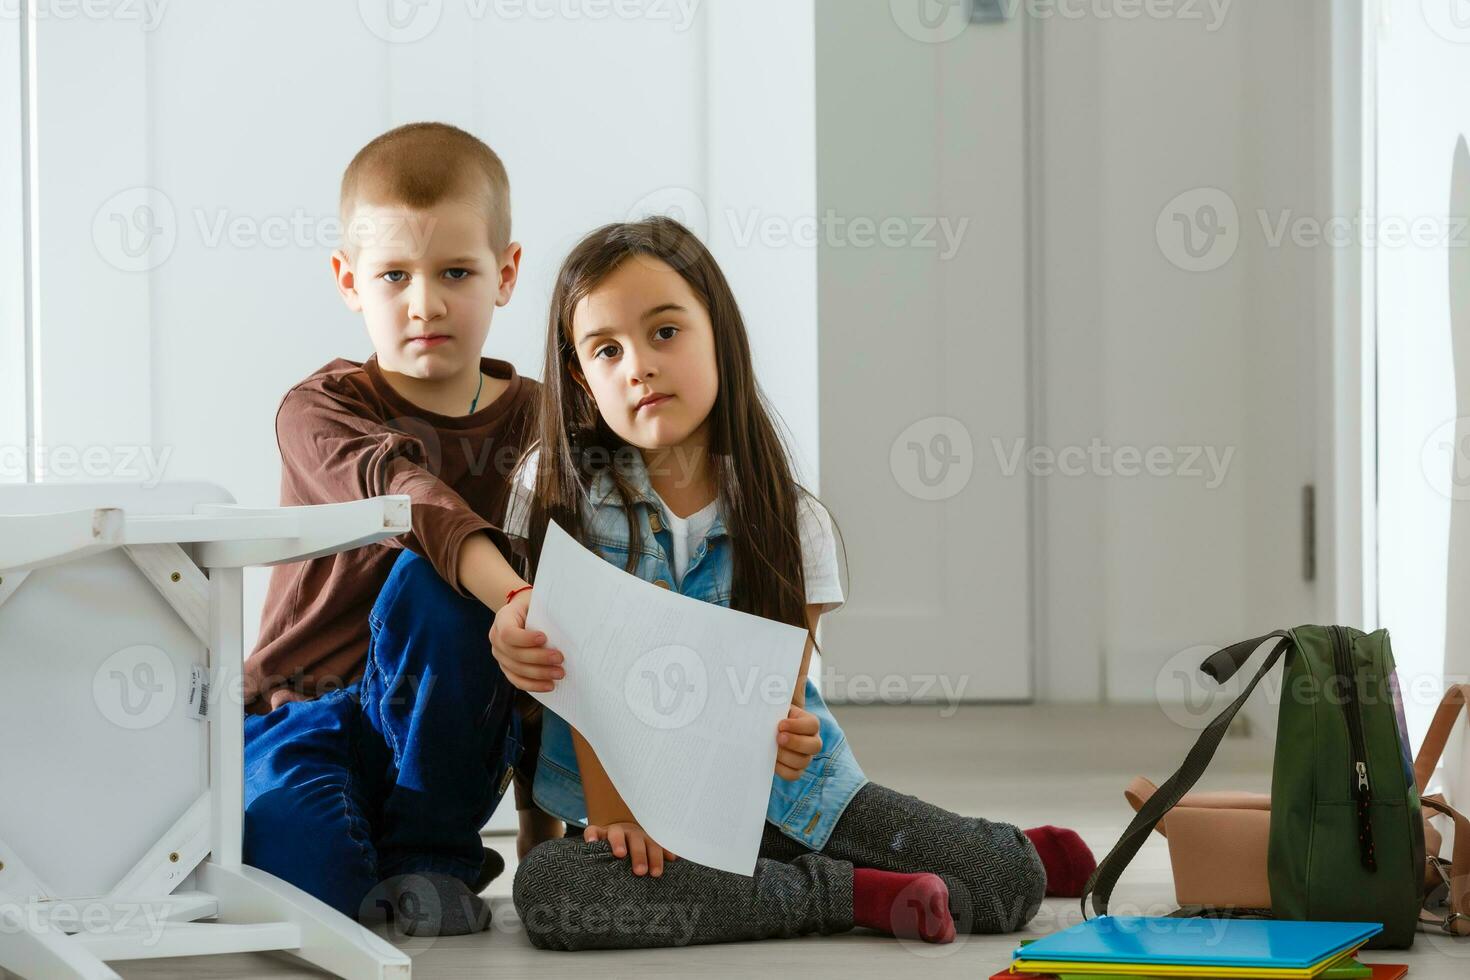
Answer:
(1345, 531)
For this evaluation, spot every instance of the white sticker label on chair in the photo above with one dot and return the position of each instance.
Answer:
(198, 692)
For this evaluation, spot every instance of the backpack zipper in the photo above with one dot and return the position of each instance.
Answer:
(1362, 792)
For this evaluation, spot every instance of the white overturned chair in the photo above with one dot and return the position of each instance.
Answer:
(121, 774)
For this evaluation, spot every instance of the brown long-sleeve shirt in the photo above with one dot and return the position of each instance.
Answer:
(345, 434)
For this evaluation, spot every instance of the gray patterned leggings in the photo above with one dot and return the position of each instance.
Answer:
(573, 895)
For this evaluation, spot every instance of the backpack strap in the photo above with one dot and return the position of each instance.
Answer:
(1221, 665)
(1456, 874)
(1457, 696)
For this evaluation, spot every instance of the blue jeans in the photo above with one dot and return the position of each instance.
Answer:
(396, 773)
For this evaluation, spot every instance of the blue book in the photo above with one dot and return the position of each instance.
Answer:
(1272, 944)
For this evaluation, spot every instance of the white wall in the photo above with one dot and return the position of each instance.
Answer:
(12, 340)
(598, 118)
(761, 174)
(95, 367)
(1144, 574)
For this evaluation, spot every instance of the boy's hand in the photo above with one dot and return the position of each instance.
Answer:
(628, 840)
(284, 695)
(527, 664)
(799, 741)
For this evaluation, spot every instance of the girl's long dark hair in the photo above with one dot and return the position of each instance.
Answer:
(749, 461)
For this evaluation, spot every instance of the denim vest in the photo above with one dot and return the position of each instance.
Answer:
(805, 809)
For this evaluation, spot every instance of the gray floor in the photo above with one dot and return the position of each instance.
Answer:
(1025, 765)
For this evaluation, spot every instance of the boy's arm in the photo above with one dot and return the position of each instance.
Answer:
(334, 448)
(484, 573)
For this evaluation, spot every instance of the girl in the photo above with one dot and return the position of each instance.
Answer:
(656, 450)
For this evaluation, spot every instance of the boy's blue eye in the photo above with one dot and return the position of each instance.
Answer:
(388, 276)
(449, 272)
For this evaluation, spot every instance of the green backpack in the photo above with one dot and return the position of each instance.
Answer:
(1347, 835)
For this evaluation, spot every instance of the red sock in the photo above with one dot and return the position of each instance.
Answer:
(906, 906)
(1067, 859)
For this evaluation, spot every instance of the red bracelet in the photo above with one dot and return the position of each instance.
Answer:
(515, 592)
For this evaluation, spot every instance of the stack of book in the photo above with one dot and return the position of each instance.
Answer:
(1126, 947)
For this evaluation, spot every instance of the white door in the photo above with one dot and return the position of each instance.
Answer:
(922, 349)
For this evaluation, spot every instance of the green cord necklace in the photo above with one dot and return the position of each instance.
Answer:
(477, 393)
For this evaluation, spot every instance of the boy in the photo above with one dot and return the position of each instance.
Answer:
(381, 734)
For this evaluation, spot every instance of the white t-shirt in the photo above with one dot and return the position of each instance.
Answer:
(818, 543)
(686, 532)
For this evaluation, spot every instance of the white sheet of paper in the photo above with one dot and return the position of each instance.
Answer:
(679, 698)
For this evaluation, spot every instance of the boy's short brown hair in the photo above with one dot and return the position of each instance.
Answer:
(421, 164)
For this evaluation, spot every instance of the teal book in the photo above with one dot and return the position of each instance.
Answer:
(1270, 944)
